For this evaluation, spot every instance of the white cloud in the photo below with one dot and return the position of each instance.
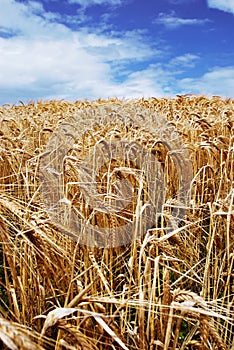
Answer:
(30, 20)
(118, 46)
(171, 21)
(186, 61)
(218, 81)
(42, 58)
(223, 5)
(26, 62)
(152, 81)
(88, 3)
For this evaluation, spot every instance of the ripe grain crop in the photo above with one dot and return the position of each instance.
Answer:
(160, 291)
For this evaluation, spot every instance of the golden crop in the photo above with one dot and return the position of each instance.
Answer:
(160, 291)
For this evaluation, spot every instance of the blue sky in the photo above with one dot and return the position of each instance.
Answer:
(88, 49)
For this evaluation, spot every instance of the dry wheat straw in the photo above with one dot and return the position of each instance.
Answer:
(164, 291)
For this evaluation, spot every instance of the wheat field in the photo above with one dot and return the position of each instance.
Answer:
(162, 290)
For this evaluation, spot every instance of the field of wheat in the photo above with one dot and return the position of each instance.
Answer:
(159, 289)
